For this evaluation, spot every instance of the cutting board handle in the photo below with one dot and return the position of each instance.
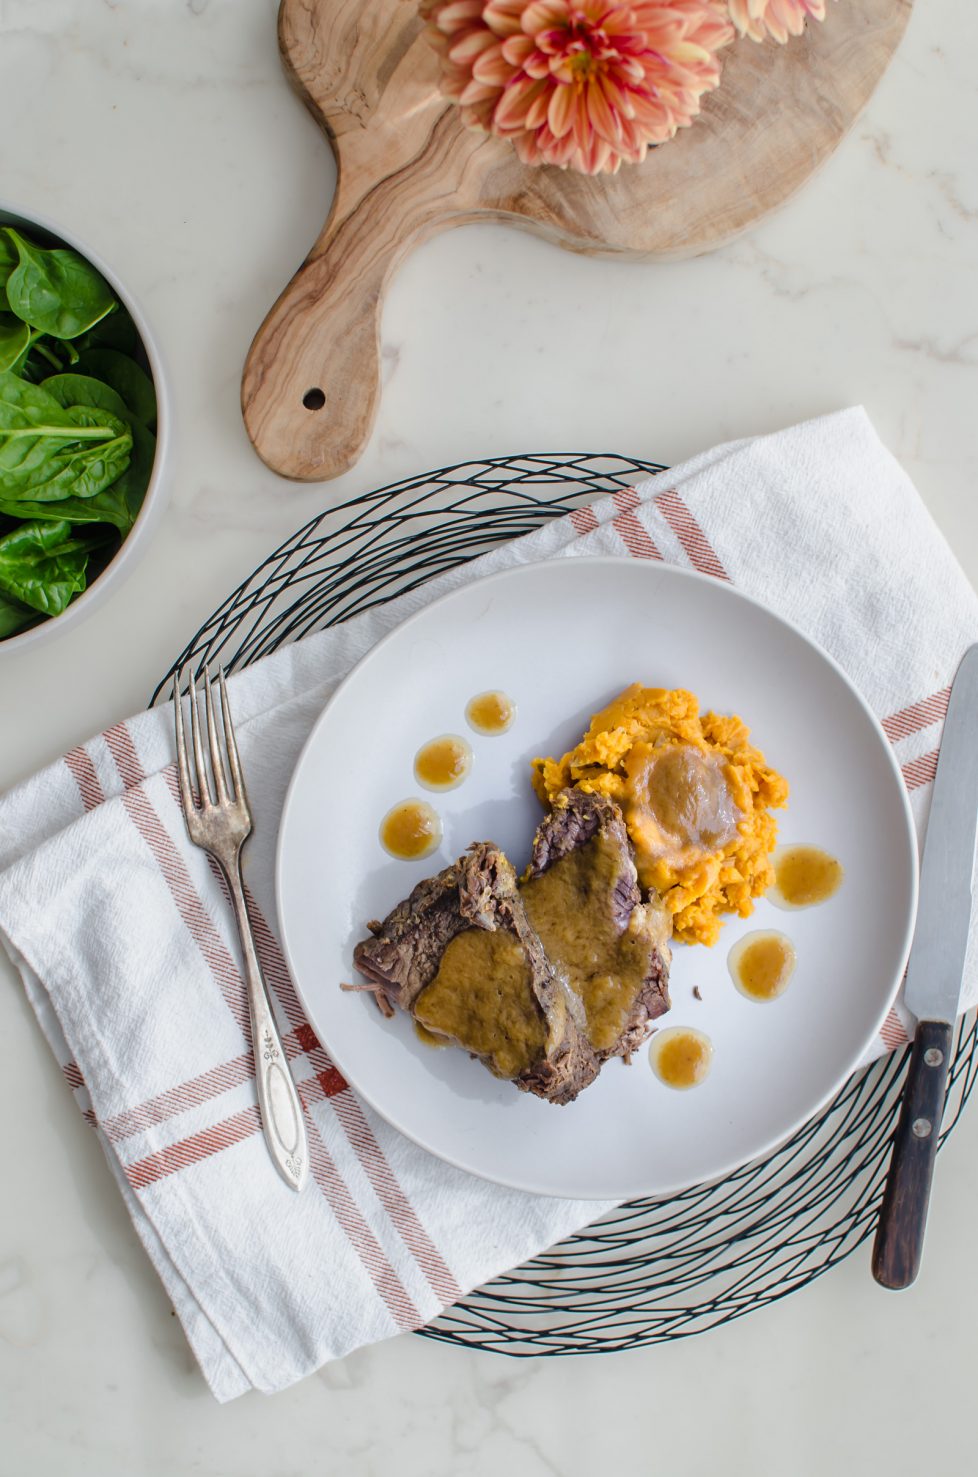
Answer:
(312, 377)
(311, 382)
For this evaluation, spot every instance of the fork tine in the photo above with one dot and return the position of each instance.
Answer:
(186, 790)
(234, 761)
(214, 743)
(203, 785)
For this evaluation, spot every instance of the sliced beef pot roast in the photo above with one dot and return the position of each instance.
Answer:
(582, 896)
(460, 957)
(541, 980)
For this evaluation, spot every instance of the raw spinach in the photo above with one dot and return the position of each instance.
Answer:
(14, 617)
(56, 291)
(49, 451)
(15, 339)
(77, 412)
(8, 260)
(116, 331)
(125, 376)
(43, 566)
(78, 388)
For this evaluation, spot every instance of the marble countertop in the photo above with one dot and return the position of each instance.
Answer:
(166, 136)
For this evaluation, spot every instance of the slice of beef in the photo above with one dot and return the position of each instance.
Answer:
(497, 996)
(582, 896)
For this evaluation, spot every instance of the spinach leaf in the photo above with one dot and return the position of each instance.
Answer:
(8, 260)
(81, 389)
(125, 497)
(110, 506)
(116, 331)
(42, 566)
(56, 291)
(125, 376)
(15, 339)
(49, 451)
(77, 415)
(117, 504)
(134, 481)
(14, 616)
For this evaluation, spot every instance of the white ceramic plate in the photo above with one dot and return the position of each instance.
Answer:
(562, 639)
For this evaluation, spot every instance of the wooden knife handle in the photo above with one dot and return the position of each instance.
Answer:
(903, 1214)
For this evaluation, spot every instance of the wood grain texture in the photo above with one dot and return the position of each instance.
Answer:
(903, 1214)
(408, 168)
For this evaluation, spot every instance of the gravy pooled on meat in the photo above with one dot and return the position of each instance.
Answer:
(483, 997)
(605, 961)
(581, 895)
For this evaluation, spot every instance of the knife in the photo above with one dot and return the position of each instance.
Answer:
(933, 985)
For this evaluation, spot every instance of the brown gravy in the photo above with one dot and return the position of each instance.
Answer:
(803, 876)
(443, 762)
(428, 1037)
(681, 1056)
(482, 997)
(410, 831)
(568, 907)
(762, 964)
(678, 804)
(491, 712)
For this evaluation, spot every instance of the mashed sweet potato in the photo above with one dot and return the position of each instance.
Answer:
(697, 799)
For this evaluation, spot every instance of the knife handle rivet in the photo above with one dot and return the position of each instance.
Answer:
(933, 1056)
(922, 1127)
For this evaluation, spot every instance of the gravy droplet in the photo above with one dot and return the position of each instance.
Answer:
(490, 712)
(762, 964)
(443, 762)
(410, 830)
(681, 1056)
(803, 876)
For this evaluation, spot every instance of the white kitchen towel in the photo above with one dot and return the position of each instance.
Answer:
(127, 948)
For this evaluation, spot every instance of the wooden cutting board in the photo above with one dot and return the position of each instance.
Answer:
(408, 168)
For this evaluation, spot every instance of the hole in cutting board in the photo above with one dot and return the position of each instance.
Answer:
(314, 399)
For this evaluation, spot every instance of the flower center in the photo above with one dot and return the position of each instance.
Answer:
(583, 64)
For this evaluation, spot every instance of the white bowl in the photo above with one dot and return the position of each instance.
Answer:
(137, 539)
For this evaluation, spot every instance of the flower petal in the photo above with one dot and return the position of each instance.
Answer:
(560, 112)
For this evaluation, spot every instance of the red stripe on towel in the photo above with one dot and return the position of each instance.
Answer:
(83, 771)
(205, 1087)
(917, 716)
(362, 1140)
(583, 520)
(201, 927)
(920, 771)
(243, 1125)
(73, 1075)
(191, 1150)
(633, 533)
(189, 905)
(699, 550)
(123, 752)
(892, 1033)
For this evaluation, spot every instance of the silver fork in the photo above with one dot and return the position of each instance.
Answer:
(221, 824)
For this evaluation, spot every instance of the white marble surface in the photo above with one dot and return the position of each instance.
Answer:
(164, 133)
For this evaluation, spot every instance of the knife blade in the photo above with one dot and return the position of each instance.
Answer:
(933, 984)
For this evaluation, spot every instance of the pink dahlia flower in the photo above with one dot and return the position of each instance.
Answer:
(584, 83)
(776, 18)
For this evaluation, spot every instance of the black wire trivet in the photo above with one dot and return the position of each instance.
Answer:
(653, 1269)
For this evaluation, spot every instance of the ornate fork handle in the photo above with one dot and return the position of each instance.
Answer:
(278, 1100)
(219, 821)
